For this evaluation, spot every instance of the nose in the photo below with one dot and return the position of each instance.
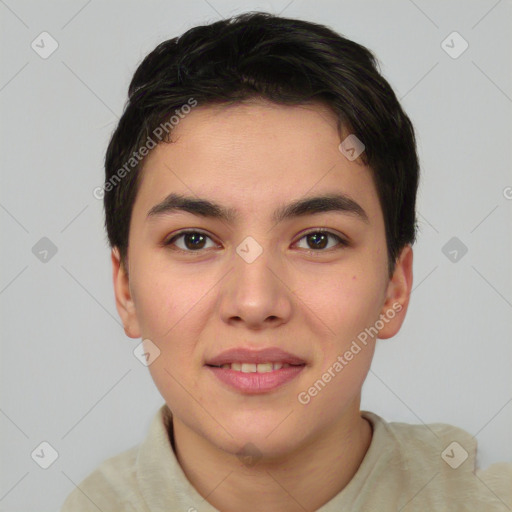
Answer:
(256, 293)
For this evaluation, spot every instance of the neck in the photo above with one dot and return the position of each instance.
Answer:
(304, 479)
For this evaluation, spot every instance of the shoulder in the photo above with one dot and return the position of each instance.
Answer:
(116, 483)
(435, 464)
(111, 486)
(427, 444)
(440, 440)
(497, 478)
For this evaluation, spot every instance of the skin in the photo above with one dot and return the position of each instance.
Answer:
(255, 157)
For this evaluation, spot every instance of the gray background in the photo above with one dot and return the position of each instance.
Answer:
(68, 374)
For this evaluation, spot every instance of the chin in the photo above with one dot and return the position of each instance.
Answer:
(253, 449)
(271, 436)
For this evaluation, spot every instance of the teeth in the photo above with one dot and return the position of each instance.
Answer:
(253, 367)
(248, 367)
(264, 367)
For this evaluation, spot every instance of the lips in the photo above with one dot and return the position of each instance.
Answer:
(255, 372)
(272, 355)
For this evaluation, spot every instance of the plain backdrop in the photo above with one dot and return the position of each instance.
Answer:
(69, 376)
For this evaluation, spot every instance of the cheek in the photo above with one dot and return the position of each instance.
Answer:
(168, 297)
(342, 303)
(169, 309)
(348, 308)
(336, 385)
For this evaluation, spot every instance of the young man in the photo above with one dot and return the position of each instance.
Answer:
(260, 205)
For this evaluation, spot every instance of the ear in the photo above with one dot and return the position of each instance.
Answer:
(397, 296)
(124, 301)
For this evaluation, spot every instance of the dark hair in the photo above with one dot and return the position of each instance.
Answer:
(286, 61)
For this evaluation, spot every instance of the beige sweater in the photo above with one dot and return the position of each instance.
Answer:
(407, 468)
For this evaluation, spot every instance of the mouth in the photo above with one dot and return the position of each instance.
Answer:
(249, 358)
(253, 367)
(252, 372)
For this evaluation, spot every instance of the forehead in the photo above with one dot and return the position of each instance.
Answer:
(252, 156)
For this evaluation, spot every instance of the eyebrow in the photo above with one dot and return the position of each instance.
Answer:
(341, 203)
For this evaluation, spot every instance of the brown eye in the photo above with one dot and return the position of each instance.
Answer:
(192, 241)
(319, 240)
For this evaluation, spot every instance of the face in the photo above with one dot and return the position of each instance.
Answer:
(296, 289)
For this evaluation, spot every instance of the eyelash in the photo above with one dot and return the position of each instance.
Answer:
(342, 243)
